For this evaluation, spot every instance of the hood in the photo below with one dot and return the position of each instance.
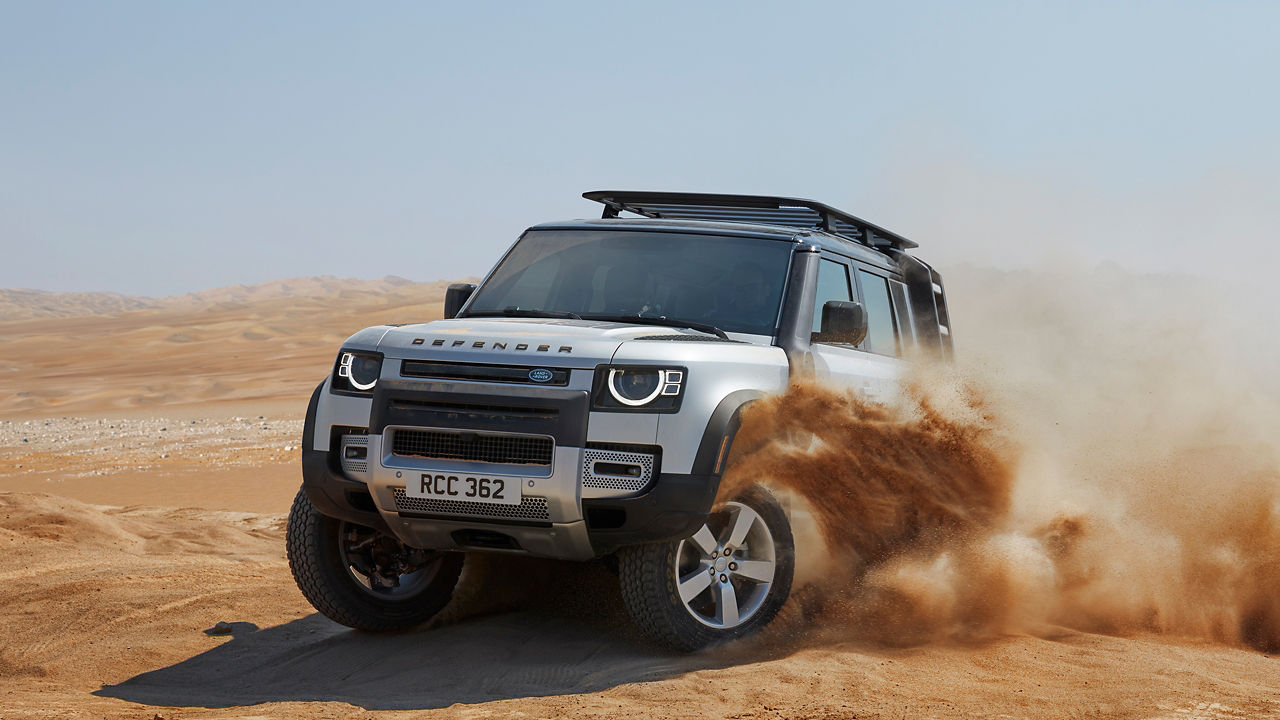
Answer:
(536, 341)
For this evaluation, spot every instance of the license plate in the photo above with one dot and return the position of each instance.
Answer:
(467, 488)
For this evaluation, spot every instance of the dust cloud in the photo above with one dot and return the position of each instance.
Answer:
(1104, 456)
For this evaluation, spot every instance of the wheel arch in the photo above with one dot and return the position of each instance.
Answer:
(722, 428)
(328, 490)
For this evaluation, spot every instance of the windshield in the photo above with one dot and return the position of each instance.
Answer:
(732, 283)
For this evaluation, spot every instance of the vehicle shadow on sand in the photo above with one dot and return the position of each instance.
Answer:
(569, 636)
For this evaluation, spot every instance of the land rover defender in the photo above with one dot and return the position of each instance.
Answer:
(581, 402)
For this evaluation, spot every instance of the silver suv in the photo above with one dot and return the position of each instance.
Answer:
(581, 403)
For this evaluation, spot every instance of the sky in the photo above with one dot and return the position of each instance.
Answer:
(160, 148)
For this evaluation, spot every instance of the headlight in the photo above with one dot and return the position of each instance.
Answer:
(646, 389)
(357, 372)
(635, 387)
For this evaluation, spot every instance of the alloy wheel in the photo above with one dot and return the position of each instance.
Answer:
(725, 570)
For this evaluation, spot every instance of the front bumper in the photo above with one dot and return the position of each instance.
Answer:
(674, 507)
(554, 519)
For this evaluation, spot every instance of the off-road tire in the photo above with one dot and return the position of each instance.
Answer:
(648, 579)
(312, 544)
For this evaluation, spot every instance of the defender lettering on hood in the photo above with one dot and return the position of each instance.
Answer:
(493, 345)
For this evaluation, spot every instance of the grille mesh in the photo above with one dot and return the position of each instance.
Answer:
(474, 447)
(616, 482)
(530, 508)
(358, 466)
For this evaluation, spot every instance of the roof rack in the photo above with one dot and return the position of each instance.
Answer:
(763, 209)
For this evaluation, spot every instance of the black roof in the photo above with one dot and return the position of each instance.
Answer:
(759, 209)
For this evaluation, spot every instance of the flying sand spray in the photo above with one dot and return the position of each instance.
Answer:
(1150, 505)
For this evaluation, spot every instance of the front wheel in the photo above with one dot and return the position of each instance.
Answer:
(728, 580)
(364, 578)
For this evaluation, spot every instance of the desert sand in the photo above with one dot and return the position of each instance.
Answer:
(148, 453)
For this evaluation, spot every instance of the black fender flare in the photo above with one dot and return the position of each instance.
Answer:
(717, 439)
(309, 425)
(329, 491)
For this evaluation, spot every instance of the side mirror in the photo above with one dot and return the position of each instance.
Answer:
(455, 297)
(843, 322)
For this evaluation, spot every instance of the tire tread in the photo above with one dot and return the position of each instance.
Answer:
(655, 607)
(305, 546)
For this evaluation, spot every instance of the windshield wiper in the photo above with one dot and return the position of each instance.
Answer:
(660, 320)
(522, 312)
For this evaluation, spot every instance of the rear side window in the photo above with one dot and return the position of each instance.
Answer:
(882, 333)
(833, 284)
(902, 313)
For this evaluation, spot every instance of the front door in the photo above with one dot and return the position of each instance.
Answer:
(872, 367)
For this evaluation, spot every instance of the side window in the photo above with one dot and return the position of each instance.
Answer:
(902, 313)
(882, 334)
(833, 284)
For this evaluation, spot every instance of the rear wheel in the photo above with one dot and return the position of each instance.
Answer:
(728, 580)
(364, 578)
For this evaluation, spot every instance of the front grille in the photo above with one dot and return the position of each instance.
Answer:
(530, 508)
(599, 470)
(518, 374)
(473, 447)
(511, 410)
(464, 412)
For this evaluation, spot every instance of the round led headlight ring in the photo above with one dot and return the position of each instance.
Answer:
(634, 388)
(363, 370)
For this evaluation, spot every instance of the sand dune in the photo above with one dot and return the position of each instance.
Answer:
(266, 343)
(26, 304)
(23, 304)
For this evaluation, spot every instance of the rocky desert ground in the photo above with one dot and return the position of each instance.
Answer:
(148, 453)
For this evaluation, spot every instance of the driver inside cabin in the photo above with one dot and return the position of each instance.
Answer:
(624, 292)
(745, 290)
